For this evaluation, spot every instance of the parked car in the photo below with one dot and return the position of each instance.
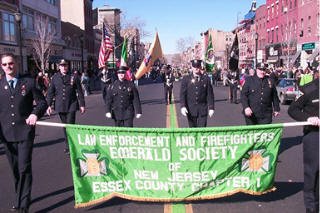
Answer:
(287, 90)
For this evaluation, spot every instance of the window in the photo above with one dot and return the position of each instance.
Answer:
(318, 24)
(28, 19)
(309, 26)
(290, 4)
(295, 29)
(53, 2)
(52, 25)
(268, 36)
(8, 27)
(277, 10)
(272, 36)
(272, 12)
(282, 6)
(302, 2)
(295, 3)
(277, 34)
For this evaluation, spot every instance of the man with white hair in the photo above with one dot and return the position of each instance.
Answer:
(196, 96)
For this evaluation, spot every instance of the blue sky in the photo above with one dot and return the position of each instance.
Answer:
(176, 19)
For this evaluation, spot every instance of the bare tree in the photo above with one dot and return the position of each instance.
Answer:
(182, 44)
(42, 42)
(134, 23)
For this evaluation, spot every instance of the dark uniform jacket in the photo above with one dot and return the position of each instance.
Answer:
(306, 105)
(123, 100)
(260, 95)
(196, 96)
(67, 92)
(16, 106)
(168, 79)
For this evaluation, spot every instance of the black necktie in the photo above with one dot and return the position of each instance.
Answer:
(11, 85)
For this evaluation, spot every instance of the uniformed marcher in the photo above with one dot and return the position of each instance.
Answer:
(306, 108)
(233, 77)
(18, 117)
(259, 98)
(66, 88)
(107, 78)
(168, 79)
(196, 96)
(123, 101)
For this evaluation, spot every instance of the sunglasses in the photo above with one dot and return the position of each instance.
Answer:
(5, 64)
(63, 65)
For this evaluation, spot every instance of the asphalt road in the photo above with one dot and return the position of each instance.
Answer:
(52, 181)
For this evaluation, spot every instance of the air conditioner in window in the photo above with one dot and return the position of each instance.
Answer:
(301, 33)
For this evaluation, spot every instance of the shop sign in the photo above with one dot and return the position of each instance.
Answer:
(308, 46)
(9, 49)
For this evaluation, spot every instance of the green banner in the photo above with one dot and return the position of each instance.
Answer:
(164, 164)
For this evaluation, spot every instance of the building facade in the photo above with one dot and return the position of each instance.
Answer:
(32, 10)
(79, 13)
(9, 30)
(260, 26)
(308, 26)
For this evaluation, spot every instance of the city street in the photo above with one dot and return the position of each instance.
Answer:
(52, 180)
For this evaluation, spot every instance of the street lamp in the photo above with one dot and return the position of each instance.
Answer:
(18, 18)
(81, 46)
(256, 36)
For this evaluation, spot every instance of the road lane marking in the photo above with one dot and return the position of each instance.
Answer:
(172, 122)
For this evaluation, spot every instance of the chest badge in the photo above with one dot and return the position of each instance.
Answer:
(23, 90)
(6, 87)
(193, 81)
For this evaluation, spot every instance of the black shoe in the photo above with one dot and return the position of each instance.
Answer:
(24, 210)
(311, 211)
(14, 209)
(170, 102)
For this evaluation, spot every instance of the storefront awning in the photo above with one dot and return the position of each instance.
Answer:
(314, 54)
(294, 58)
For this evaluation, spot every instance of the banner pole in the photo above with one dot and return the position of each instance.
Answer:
(291, 124)
(43, 123)
(303, 123)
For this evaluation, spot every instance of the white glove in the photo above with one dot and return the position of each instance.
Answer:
(184, 111)
(211, 112)
(138, 116)
(108, 115)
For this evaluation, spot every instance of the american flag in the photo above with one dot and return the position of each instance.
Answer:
(105, 48)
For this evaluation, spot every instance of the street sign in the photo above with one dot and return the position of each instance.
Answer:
(308, 46)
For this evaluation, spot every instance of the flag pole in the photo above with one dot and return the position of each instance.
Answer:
(52, 124)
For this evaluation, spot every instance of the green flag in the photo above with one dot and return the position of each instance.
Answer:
(168, 164)
(209, 57)
(124, 53)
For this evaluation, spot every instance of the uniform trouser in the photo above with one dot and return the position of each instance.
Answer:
(311, 170)
(197, 121)
(233, 93)
(67, 118)
(124, 123)
(168, 93)
(253, 120)
(104, 89)
(19, 155)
